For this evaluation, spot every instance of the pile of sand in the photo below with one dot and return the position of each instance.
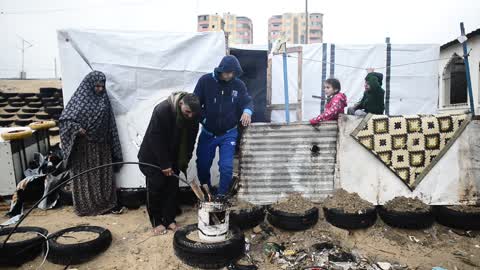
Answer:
(403, 204)
(18, 236)
(348, 202)
(472, 209)
(294, 204)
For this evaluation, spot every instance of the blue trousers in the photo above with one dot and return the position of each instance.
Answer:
(206, 149)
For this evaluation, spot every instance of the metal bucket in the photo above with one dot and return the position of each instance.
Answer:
(213, 221)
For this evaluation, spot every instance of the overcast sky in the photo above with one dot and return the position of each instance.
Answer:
(346, 22)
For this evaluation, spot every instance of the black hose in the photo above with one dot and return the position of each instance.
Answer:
(75, 176)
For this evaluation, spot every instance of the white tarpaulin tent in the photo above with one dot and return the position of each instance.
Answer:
(413, 87)
(142, 68)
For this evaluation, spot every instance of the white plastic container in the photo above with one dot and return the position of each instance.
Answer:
(213, 221)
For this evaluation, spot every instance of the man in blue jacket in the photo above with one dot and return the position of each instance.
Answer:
(225, 102)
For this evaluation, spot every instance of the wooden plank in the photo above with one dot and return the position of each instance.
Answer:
(290, 50)
(293, 106)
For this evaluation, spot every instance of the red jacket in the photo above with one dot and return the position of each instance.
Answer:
(334, 107)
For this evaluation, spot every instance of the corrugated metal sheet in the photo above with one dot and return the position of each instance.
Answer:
(277, 159)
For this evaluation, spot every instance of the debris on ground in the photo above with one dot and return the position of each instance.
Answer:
(294, 203)
(348, 202)
(404, 204)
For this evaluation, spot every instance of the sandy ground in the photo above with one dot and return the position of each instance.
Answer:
(27, 86)
(134, 247)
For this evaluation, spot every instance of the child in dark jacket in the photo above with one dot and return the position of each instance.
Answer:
(336, 102)
(373, 100)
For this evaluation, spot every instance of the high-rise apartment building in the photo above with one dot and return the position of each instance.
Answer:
(291, 26)
(238, 28)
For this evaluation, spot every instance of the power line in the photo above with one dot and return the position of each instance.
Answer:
(364, 68)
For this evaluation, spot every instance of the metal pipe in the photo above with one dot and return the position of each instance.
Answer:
(285, 85)
(467, 71)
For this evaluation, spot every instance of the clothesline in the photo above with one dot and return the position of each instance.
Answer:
(376, 68)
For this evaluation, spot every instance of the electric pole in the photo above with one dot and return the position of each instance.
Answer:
(23, 74)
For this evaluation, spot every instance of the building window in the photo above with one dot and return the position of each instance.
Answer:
(203, 18)
(455, 82)
(213, 26)
(276, 25)
(204, 26)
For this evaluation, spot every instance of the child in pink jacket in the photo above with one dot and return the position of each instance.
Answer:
(336, 102)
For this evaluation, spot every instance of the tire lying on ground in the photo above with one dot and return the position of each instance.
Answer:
(207, 255)
(292, 221)
(16, 134)
(458, 217)
(132, 198)
(16, 253)
(349, 211)
(293, 213)
(406, 213)
(77, 253)
(42, 125)
(247, 218)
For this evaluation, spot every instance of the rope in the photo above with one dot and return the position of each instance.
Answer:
(46, 252)
(362, 68)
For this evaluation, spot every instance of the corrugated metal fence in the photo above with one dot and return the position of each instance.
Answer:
(278, 159)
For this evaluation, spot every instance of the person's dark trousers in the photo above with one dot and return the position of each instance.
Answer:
(161, 199)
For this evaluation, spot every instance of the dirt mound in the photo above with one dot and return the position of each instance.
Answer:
(19, 236)
(294, 204)
(76, 237)
(240, 204)
(465, 208)
(404, 204)
(349, 202)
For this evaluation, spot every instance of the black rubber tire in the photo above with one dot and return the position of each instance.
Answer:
(18, 253)
(208, 255)
(290, 221)
(247, 218)
(11, 110)
(26, 95)
(5, 123)
(57, 110)
(406, 220)
(35, 105)
(348, 221)
(73, 254)
(132, 198)
(456, 219)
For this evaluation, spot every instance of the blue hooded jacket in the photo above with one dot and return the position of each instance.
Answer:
(223, 102)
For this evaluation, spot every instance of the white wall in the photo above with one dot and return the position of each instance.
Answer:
(454, 179)
(474, 64)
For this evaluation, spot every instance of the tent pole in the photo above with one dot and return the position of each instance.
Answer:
(467, 70)
(285, 85)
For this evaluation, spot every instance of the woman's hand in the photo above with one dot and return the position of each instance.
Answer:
(246, 119)
(82, 132)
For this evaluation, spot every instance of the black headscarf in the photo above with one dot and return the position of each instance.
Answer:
(92, 112)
